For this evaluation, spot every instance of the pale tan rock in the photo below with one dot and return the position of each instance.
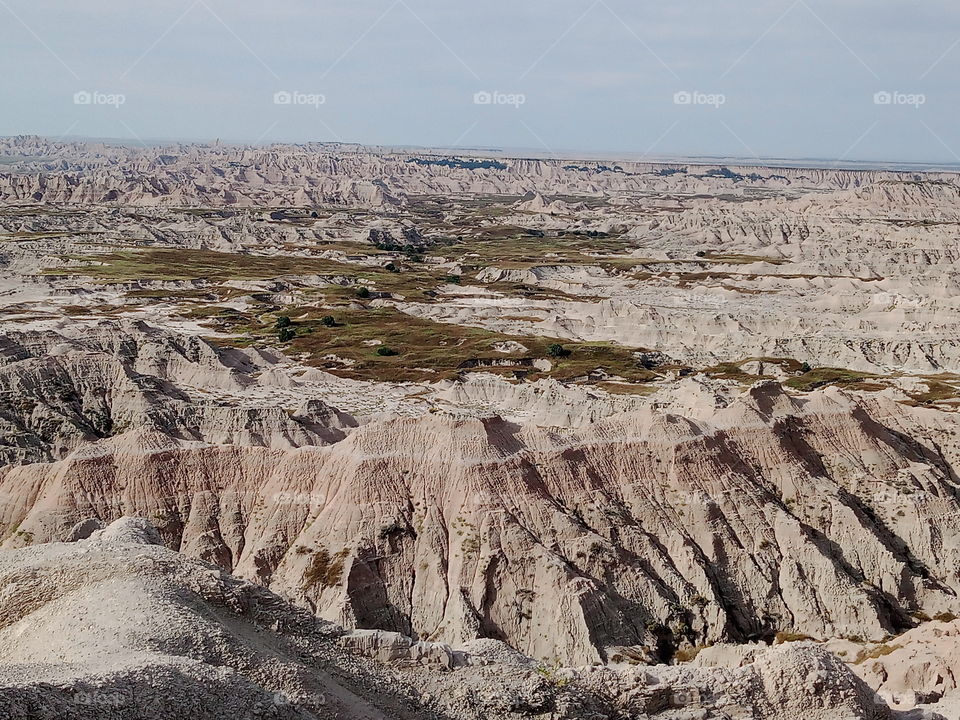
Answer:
(765, 535)
(916, 669)
(117, 623)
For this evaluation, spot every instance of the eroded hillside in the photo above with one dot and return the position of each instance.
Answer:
(627, 414)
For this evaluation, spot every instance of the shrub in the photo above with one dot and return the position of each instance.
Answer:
(363, 293)
(550, 673)
(283, 322)
(328, 321)
(324, 569)
(286, 334)
(384, 351)
(556, 350)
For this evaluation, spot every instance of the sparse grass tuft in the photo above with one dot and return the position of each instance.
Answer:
(685, 655)
(874, 653)
(324, 570)
(787, 637)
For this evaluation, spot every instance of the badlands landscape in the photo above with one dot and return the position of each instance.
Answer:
(331, 431)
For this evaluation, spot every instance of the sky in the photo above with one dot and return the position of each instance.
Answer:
(825, 79)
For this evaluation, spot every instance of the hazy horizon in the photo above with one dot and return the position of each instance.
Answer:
(566, 154)
(849, 81)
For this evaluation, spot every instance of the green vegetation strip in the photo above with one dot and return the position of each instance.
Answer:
(171, 264)
(821, 377)
(386, 344)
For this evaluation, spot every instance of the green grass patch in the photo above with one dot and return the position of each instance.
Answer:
(536, 292)
(739, 259)
(734, 370)
(821, 377)
(414, 281)
(586, 358)
(731, 371)
(174, 295)
(937, 391)
(516, 248)
(22, 235)
(425, 350)
(617, 388)
(175, 264)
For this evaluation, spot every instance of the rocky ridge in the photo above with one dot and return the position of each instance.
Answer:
(115, 625)
(705, 516)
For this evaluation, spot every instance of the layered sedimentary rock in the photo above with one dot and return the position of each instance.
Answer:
(830, 514)
(525, 429)
(114, 625)
(298, 175)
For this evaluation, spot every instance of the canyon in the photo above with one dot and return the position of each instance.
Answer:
(396, 433)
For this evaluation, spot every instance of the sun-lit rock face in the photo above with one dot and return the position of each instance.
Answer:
(506, 436)
(115, 623)
(708, 515)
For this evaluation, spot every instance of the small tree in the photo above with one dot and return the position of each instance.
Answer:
(384, 351)
(328, 321)
(390, 267)
(284, 322)
(286, 334)
(556, 350)
(805, 368)
(363, 293)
